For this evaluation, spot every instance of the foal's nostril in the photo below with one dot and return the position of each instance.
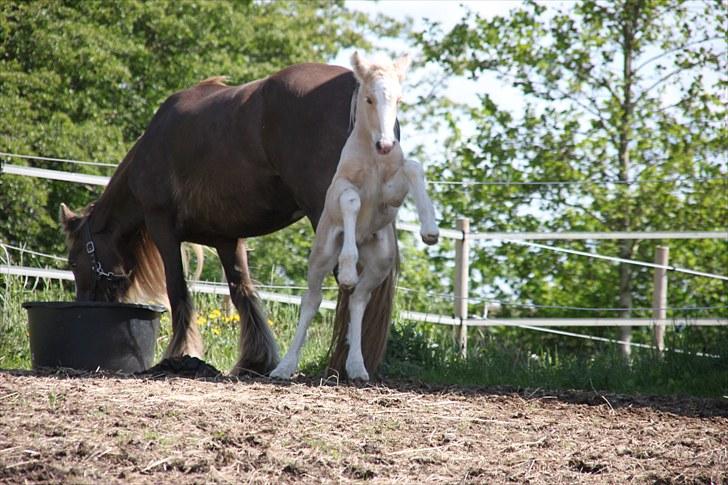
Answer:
(378, 145)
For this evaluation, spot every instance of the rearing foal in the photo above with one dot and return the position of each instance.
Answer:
(370, 184)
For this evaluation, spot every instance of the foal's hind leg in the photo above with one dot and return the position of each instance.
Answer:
(377, 258)
(186, 338)
(258, 349)
(321, 262)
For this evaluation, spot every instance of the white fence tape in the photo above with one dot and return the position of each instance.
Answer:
(221, 289)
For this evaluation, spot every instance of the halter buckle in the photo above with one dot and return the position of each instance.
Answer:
(90, 248)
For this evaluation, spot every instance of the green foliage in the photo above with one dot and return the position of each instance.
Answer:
(624, 91)
(546, 364)
(421, 352)
(81, 80)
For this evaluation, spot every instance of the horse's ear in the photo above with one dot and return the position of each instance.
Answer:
(401, 65)
(360, 66)
(68, 219)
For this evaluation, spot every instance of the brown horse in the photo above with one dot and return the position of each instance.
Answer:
(217, 164)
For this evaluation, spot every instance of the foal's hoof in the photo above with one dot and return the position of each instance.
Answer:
(430, 238)
(348, 279)
(357, 372)
(282, 372)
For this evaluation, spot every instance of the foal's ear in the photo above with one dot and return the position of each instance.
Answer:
(360, 66)
(68, 219)
(401, 66)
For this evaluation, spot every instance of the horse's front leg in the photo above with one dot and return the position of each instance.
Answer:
(321, 262)
(377, 259)
(186, 338)
(349, 203)
(425, 211)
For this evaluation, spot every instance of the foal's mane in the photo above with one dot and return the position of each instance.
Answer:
(354, 103)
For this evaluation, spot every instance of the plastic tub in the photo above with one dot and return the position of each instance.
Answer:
(92, 335)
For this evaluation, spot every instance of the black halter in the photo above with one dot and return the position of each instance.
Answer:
(97, 270)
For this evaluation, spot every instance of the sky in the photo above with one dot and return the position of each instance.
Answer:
(446, 12)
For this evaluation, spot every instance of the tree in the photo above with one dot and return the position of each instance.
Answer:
(81, 80)
(621, 98)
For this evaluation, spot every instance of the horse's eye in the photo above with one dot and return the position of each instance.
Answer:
(369, 100)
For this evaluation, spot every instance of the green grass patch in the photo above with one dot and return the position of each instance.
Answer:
(426, 352)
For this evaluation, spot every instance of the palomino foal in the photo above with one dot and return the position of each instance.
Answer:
(370, 184)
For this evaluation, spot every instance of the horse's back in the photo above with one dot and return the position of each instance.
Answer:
(202, 152)
(245, 160)
(306, 123)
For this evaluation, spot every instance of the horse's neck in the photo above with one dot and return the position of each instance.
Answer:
(117, 210)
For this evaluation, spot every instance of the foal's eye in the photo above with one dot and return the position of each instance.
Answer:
(369, 100)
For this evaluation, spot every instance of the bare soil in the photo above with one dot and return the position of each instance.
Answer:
(101, 428)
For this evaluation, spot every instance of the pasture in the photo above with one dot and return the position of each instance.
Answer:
(97, 428)
(596, 128)
(70, 426)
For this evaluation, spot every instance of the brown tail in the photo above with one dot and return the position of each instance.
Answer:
(375, 326)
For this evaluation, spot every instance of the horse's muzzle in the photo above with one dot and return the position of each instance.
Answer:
(384, 146)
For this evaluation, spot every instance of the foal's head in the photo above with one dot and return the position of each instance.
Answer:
(381, 91)
(96, 264)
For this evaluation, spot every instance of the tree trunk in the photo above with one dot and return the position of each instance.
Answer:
(629, 21)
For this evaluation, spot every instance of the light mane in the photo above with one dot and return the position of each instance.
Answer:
(379, 66)
(147, 283)
(214, 81)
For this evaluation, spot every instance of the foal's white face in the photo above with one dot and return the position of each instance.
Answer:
(381, 92)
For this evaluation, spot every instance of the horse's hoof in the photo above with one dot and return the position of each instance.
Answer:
(357, 372)
(281, 373)
(430, 238)
(348, 281)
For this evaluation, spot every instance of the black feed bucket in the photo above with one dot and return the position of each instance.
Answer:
(92, 335)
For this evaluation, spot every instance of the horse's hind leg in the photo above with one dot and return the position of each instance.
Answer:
(186, 338)
(258, 349)
(377, 258)
(321, 262)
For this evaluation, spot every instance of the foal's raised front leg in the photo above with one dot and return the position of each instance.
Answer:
(321, 262)
(349, 203)
(425, 211)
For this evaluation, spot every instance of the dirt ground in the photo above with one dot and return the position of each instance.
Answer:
(91, 428)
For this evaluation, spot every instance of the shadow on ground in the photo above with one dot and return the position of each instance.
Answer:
(194, 368)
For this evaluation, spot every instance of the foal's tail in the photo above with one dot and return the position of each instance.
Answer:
(375, 324)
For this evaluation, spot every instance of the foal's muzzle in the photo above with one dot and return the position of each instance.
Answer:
(385, 146)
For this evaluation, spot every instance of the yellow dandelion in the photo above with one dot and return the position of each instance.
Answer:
(236, 318)
(216, 330)
(215, 314)
(201, 320)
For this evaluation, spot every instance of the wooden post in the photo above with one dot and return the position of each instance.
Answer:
(659, 296)
(462, 271)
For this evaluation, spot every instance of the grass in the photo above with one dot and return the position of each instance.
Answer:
(426, 353)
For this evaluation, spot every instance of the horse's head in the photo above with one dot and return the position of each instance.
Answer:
(381, 91)
(97, 266)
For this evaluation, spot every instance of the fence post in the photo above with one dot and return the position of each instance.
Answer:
(659, 296)
(462, 271)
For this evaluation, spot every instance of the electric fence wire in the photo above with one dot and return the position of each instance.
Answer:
(461, 183)
(430, 294)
